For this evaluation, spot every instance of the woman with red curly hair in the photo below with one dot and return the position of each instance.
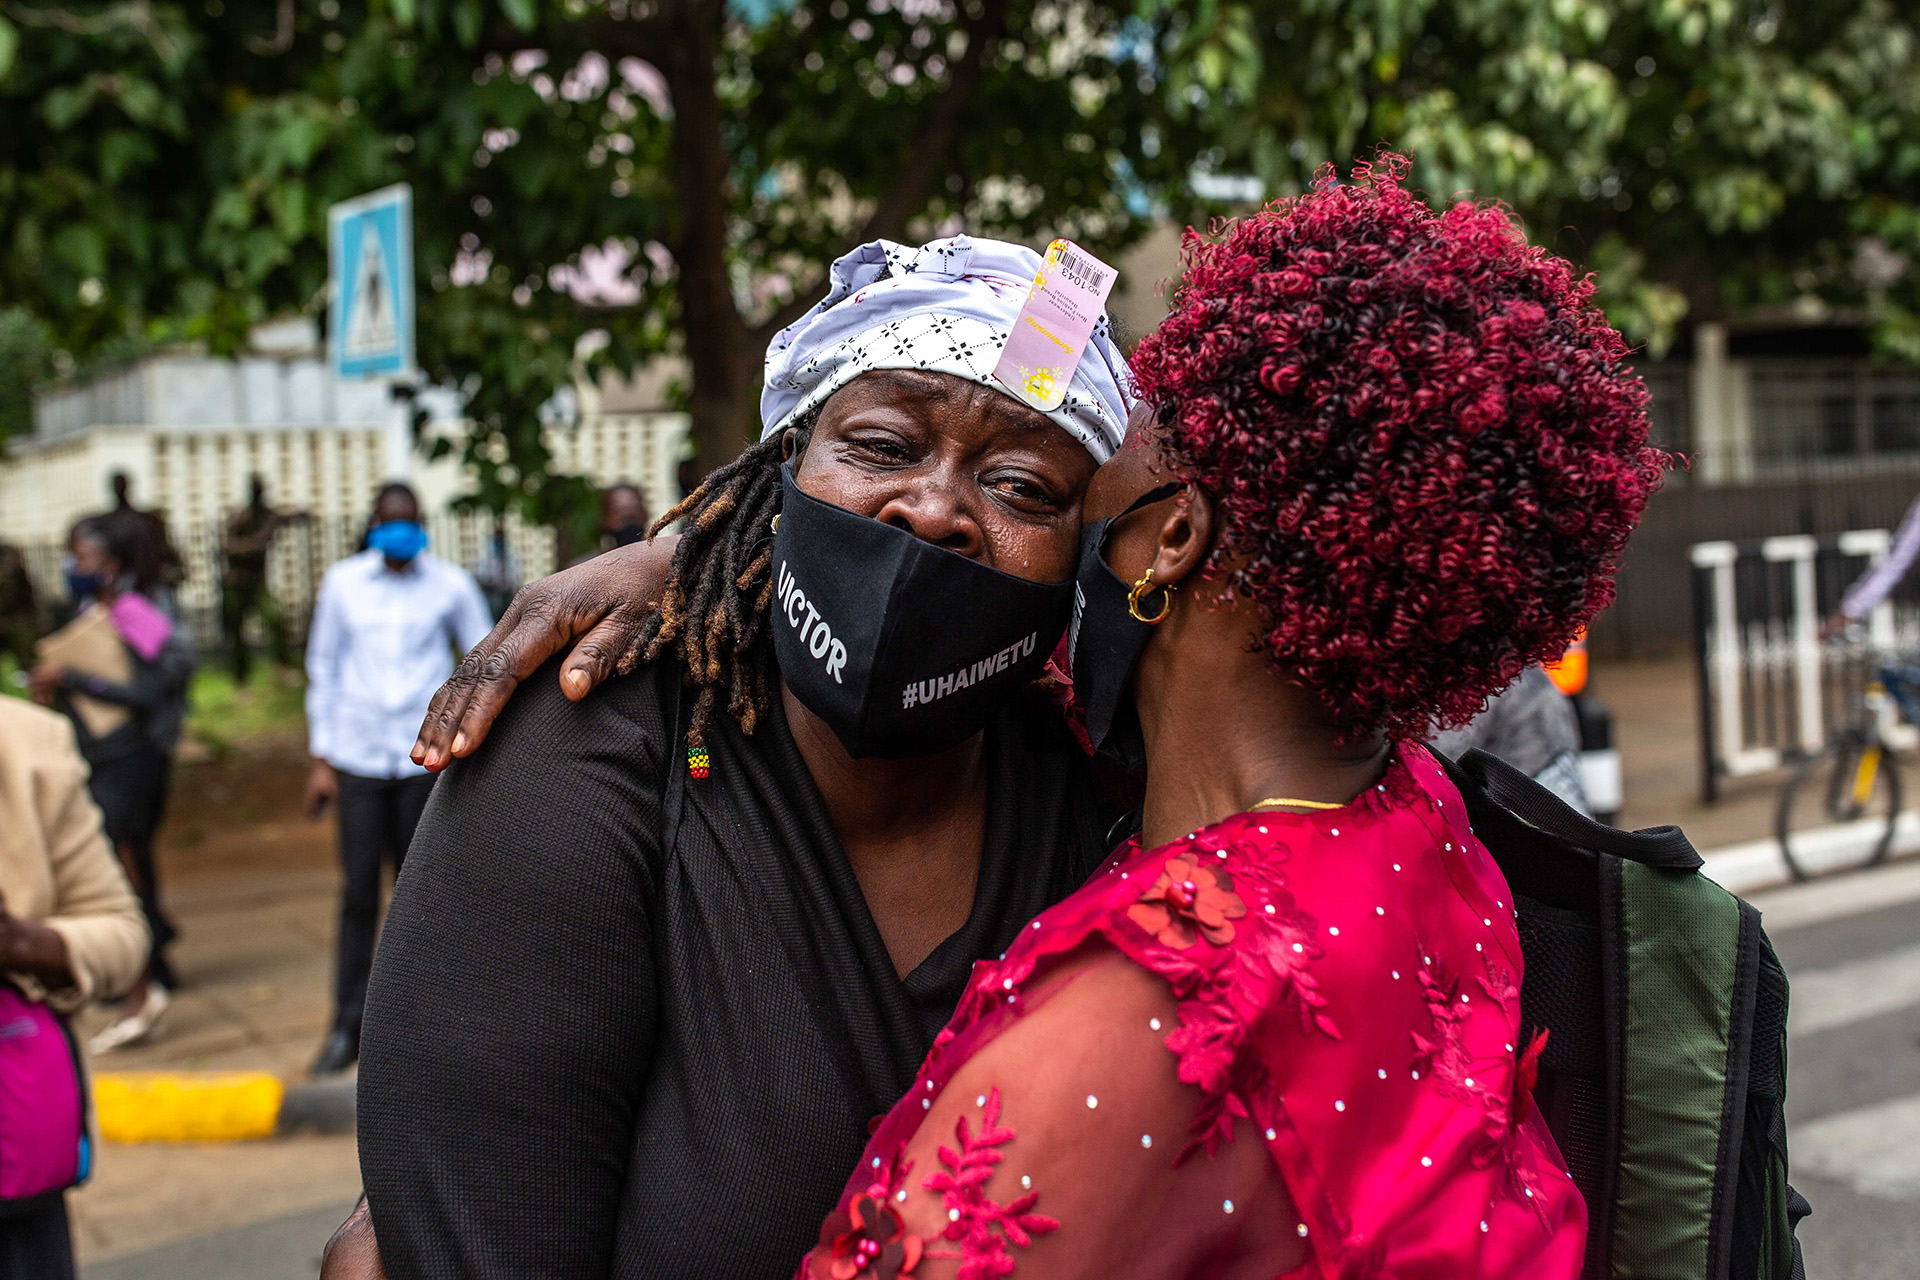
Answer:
(1390, 458)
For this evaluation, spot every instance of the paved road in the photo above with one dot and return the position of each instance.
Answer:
(1852, 950)
(281, 1248)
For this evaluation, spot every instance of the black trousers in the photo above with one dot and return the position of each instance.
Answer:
(34, 1241)
(131, 790)
(377, 818)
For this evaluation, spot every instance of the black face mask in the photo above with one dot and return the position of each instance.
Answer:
(902, 647)
(1104, 642)
(627, 534)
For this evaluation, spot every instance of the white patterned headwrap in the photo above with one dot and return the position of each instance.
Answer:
(945, 307)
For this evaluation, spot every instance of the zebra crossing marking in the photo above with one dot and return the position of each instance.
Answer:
(1876, 1149)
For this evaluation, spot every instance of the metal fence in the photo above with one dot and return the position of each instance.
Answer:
(1770, 687)
(1651, 615)
(299, 558)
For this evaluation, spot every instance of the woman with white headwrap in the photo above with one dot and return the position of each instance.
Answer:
(657, 958)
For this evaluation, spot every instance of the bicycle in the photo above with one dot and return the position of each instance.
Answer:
(1853, 779)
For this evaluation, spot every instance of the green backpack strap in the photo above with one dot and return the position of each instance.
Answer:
(1689, 968)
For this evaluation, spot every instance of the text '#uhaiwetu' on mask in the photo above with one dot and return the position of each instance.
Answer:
(816, 633)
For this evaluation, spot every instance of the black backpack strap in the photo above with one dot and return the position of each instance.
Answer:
(1666, 848)
(1741, 1008)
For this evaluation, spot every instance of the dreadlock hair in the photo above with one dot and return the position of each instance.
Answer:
(713, 608)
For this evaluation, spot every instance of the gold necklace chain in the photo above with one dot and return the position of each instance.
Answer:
(1302, 804)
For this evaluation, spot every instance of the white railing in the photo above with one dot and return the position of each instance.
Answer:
(1772, 689)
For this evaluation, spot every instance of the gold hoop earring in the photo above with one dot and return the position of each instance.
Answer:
(1140, 589)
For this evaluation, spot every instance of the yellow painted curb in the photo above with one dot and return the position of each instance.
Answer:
(211, 1107)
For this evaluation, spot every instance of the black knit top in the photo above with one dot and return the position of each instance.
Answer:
(594, 1047)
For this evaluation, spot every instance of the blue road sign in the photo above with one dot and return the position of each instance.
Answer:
(370, 257)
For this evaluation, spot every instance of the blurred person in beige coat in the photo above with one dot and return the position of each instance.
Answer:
(70, 927)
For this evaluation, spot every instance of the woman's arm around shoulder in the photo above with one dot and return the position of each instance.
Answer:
(603, 602)
(1056, 1147)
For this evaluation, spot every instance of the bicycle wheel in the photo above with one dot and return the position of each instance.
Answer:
(1852, 782)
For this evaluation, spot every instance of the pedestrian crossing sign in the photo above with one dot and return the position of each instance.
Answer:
(370, 270)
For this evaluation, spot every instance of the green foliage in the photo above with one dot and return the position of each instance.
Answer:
(26, 359)
(225, 716)
(1705, 156)
(166, 167)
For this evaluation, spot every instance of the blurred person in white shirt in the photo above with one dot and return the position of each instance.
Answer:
(388, 626)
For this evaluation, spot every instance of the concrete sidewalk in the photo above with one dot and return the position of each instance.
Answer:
(254, 890)
(1656, 708)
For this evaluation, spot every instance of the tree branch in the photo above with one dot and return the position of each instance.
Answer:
(926, 163)
(282, 38)
(136, 14)
(931, 156)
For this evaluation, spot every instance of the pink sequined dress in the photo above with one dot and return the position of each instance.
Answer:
(1285, 1046)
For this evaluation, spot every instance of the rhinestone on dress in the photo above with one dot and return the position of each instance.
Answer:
(1153, 1024)
(1092, 1102)
(1146, 1139)
(1339, 1105)
(1426, 1162)
(1383, 1073)
(1226, 1206)
(1483, 1226)
(1333, 930)
(1302, 1229)
(1271, 1135)
(1396, 975)
(1379, 911)
(1336, 831)
(980, 1101)
(1026, 1183)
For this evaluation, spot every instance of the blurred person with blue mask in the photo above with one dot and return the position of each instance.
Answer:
(388, 624)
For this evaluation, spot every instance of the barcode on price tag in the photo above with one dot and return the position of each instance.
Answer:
(1064, 305)
(1085, 270)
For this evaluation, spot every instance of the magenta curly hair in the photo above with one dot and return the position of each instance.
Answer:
(1426, 443)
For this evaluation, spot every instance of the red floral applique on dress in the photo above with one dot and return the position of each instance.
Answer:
(1464, 1076)
(1442, 1054)
(979, 1224)
(876, 1244)
(1224, 994)
(1189, 899)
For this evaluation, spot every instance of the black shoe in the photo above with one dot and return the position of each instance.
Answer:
(340, 1050)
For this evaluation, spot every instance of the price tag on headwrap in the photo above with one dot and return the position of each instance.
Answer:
(1068, 296)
